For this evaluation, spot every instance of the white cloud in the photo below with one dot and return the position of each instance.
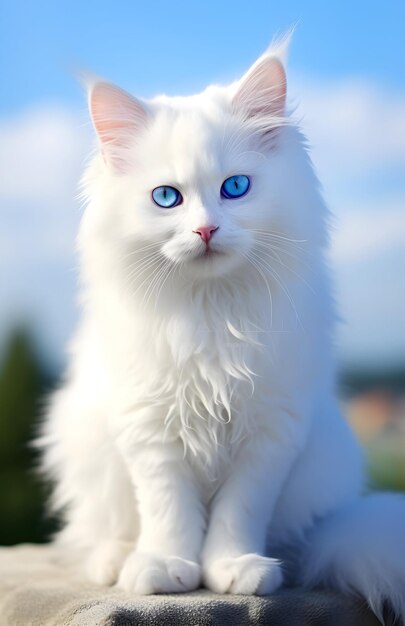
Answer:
(355, 128)
(41, 156)
(367, 232)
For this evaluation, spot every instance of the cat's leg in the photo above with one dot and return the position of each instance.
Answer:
(172, 519)
(233, 555)
(92, 487)
(110, 517)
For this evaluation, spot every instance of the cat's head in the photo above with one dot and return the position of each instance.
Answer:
(198, 181)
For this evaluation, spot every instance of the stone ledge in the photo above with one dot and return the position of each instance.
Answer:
(38, 588)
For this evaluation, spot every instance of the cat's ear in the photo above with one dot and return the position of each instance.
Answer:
(117, 118)
(262, 91)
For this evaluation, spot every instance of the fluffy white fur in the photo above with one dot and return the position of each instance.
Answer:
(197, 434)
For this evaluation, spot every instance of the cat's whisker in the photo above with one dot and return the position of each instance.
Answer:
(224, 130)
(256, 152)
(134, 267)
(273, 255)
(148, 276)
(260, 272)
(140, 251)
(151, 278)
(154, 282)
(143, 267)
(274, 250)
(290, 251)
(237, 145)
(132, 261)
(267, 267)
(235, 140)
(270, 233)
(144, 258)
(283, 244)
(170, 272)
(136, 251)
(160, 278)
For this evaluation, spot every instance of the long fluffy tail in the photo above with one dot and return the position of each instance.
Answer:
(361, 549)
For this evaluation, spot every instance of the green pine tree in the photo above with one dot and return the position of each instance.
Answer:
(23, 386)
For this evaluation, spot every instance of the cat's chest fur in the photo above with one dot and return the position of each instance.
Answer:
(214, 353)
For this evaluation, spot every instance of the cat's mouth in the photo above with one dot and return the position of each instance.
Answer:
(209, 253)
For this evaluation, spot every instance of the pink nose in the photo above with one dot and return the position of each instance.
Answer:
(206, 232)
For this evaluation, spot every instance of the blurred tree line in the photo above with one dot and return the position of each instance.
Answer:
(24, 383)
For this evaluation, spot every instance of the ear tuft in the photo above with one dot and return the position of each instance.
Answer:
(262, 91)
(280, 46)
(117, 118)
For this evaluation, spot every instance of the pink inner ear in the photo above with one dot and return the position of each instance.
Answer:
(263, 90)
(116, 115)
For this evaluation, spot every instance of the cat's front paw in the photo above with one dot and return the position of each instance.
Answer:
(147, 573)
(249, 574)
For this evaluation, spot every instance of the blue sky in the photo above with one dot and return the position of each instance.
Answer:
(182, 45)
(346, 70)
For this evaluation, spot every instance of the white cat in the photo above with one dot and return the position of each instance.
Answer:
(197, 434)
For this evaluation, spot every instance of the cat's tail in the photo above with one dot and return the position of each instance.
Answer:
(361, 549)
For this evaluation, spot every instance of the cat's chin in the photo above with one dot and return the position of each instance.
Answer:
(212, 263)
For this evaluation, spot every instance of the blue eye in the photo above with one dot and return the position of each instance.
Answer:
(235, 186)
(167, 197)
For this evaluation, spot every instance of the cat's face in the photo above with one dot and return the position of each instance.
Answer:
(197, 179)
(187, 168)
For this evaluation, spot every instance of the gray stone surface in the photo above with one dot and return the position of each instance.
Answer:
(38, 588)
